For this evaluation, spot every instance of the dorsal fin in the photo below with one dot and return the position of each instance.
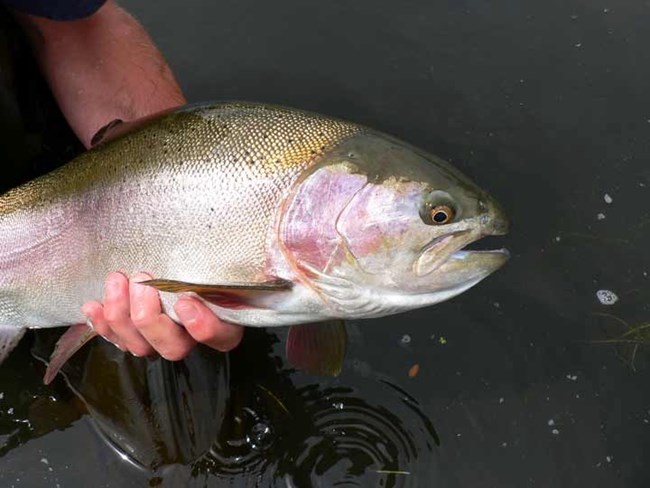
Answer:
(117, 128)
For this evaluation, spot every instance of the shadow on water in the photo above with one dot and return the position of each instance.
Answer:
(212, 418)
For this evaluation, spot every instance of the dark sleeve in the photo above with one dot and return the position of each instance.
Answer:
(56, 9)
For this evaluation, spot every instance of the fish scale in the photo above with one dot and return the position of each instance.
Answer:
(199, 164)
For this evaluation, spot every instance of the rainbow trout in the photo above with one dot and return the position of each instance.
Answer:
(272, 216)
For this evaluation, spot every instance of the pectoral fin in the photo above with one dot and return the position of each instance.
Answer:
(9, 339)
(70, 342)
(318, 348)
(231, 295)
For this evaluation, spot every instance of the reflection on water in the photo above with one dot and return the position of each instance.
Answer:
(324, 437)
(200, 422)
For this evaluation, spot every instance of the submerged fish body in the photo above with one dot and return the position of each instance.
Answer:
(273, 216)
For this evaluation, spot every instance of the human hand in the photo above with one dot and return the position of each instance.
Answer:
(130, 316)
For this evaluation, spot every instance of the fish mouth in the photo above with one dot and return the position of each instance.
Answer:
(446, 262)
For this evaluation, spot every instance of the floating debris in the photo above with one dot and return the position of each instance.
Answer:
(600, 216)
(406, 339)
(633, 337)
(572, 377)
(442, 340)
(555, 432)
(551, 423)
(501, 400)
(607, 297)
(608, 199)
(389, 471)
(414, 370)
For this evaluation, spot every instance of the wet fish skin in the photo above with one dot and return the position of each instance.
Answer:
(245, 194)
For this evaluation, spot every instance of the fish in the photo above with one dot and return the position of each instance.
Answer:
(272, 216)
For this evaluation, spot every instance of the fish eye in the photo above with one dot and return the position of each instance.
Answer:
(442, 214)
(438, 208)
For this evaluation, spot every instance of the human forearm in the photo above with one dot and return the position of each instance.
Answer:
(102, 68)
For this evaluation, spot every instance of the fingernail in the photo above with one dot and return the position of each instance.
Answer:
(89, 323)
(111, 342)
(186, 310)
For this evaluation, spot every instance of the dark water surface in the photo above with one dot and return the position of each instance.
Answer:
(547, 106)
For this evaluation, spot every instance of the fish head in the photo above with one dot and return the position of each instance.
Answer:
(391, 223)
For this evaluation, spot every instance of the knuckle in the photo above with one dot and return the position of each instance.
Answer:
(140, 319)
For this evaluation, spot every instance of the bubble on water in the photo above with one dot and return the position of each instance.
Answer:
(607, 297)
(259, 437)
(406, 339)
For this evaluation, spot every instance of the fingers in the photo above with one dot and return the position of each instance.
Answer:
(166, 337)
(95, 313)
(131, 318)
(205, 327)
(117, 312)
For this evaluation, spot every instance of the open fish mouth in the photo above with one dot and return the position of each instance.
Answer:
(448, 261)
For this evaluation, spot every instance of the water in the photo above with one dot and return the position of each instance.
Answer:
(544, 104)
